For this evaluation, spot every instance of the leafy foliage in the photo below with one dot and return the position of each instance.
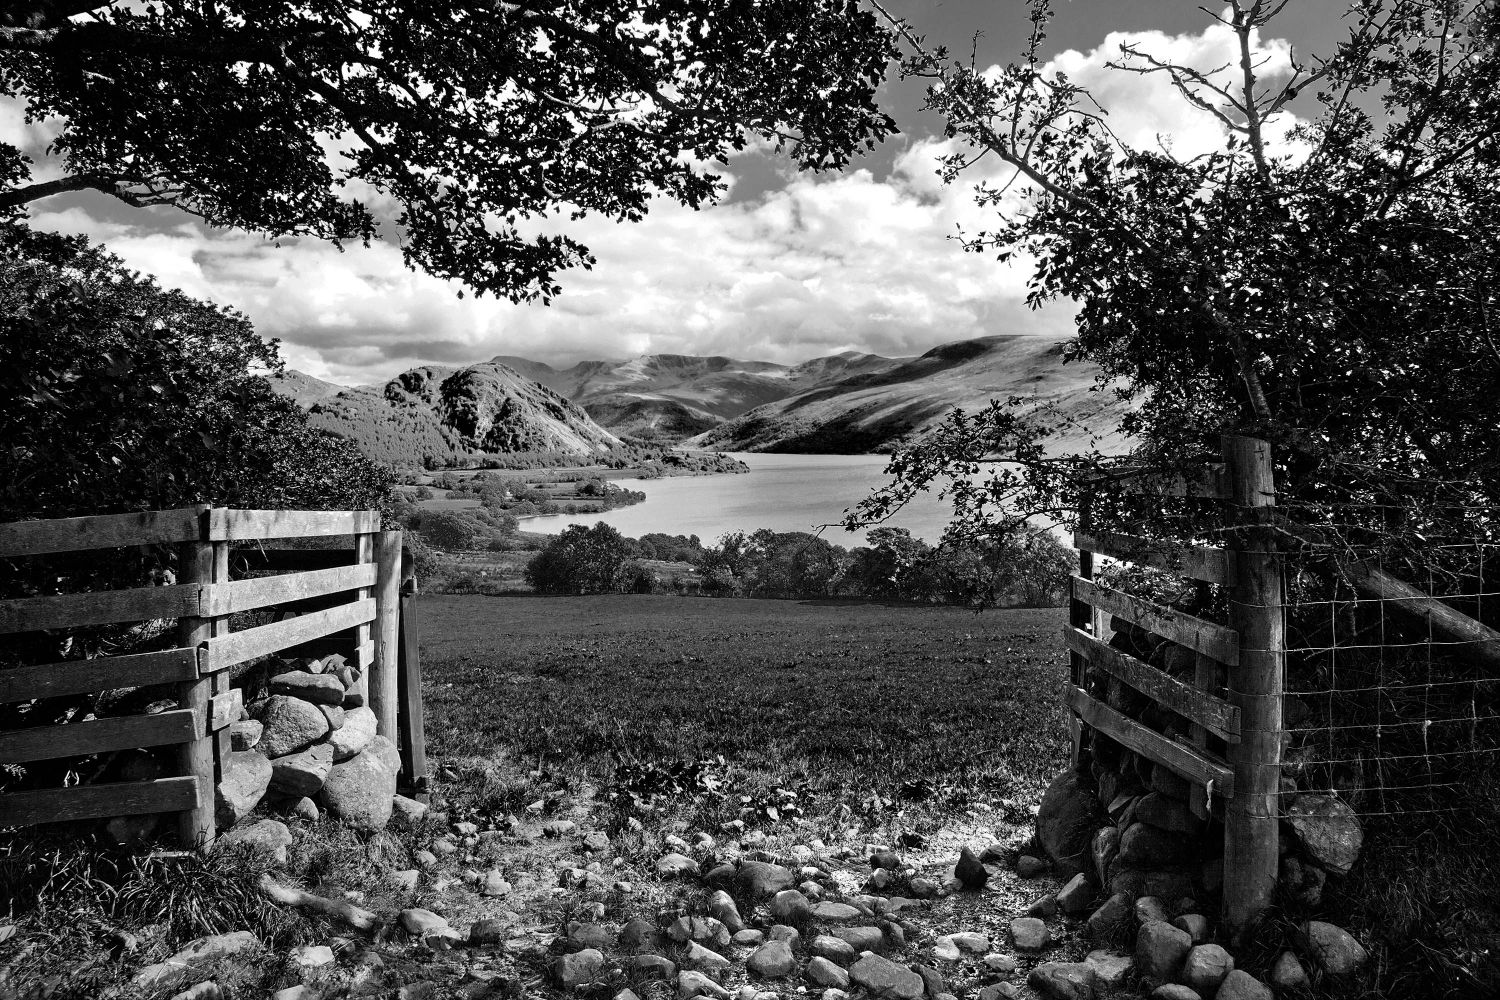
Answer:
(481, 121)
(579, 561)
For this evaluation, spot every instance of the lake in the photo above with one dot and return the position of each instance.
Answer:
(780, 492)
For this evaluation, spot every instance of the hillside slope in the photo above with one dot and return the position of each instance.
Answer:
(302, 388)
(877, 410)
(439, 416)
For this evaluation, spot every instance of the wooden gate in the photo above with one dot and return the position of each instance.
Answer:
(340, 600)
(1231, 710)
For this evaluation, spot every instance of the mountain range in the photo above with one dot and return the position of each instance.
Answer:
(843, 403)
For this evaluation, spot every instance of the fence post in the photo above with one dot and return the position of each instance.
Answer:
(413, 732)
(1081, 616)
(1251, 826)
(383, 681)
(364, 658)
(195, 758)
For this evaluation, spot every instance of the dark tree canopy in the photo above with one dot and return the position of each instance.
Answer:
(481, 120)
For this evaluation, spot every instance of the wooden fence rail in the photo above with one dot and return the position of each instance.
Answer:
(1249, 652)
(346, 599)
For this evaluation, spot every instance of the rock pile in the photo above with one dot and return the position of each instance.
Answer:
(310, 744)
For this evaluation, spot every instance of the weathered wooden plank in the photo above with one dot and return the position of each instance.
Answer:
(48, 680)
(257, 559)
(1197, 562)
(102, 531)
(1177, 757)
(1209, 638)
(413, 741)
(98, 736)
(1211, 482)
(238, 647)
(1218, 716)
(224, 708)
(127, 798)
(104, 607)
(266, 591)
(229, 525)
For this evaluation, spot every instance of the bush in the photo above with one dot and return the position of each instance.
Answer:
(579, 561)
(635, 578)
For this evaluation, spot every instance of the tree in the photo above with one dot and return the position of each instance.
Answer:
(579, 560)
(482, 121)
(1319, 293)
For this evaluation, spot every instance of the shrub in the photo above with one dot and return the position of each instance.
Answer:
(580, 560)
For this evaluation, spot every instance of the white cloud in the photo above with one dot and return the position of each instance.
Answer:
(818, 266)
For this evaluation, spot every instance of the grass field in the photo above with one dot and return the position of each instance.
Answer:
(866, 717)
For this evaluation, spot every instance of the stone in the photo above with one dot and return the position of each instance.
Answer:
(704, 959)
(304, 809)
(267, 836)
(424, 859)
(303, 773)
(1165, 813)
(407, 812)
(1145, 846)
(836, 994)
(639, 934)
(789, 906)
(971, 942)
(1066, 820)
(836, 913)
(825, 973)
(312, 956)
(626, 994)
(1196, 924)
(944, 950)
(596, 842)
(1160, 949)
(1301, 885)
(762, 879)
(591, 935)
(649, 966)
(882, 977)
(354, 735)
(675, 865)
(1240, 985)
(1029, 934)
(320, 689)
(335, 716)
(781, 932)
(969, 871)
(1111, 922)
(834, 949)
(1002, 964)
(419, 922)
(1063, 980)
(1111, 968)
(247, 775)
(695, 984)
(1329, 831)
(1288, 975)
(1205, 967)
(1030, 867)
(245, 734)
(558, 828)
(932, 981)
(1044, 908)
(488, 931)
(995, 991)
(495, 885)
(723, 908)
(773, 960)
(1077, 896)
(406, 878)
(1104, 849)
(889, 860)
(1174, 991)
(290, 725)
(861, 938)
(578, 969)
(1333, 950)
(748, 938)
(200, 957)
(360, 791)
(1149, 908)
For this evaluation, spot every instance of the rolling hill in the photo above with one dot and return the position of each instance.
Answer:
(875, 410)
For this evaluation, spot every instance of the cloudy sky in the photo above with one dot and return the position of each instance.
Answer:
(785, 268)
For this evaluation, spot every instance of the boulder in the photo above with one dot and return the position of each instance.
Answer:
(932, 981)
(335, 716)
(360, 792)
(1077, 896)
(354, 735)
(675, 865)
(762, 879)
(1111, 968)
(723, 907)
(388, 754)
(882, 977)
(748, 938)
(1196, 924)
(649, 966)
(1111, 922)
(1205, 967)
(704, 959)
(578, 969)
(198, 958)
(825, 973)
(268, 836)
(245, 734)
(639, 934)
(834, 949)
(790, 906)
(290, 725)
(247, 775)
(1174, 991)
(781, 932)
(836, 913)
(971, 941)
(1240, 985)
(303, 773)
(1030, 934)
(591, 935)
(773, 960)
(1104, 849)
(969, 871)
(862, 939)
(1329, 831)
(420, 922)
(1063, 980)
(695, 984)
(1331, 948)
(1065, 822)
(1288, 975)
(1031, 867)
(1160, 949)
(1145, 846)
(1149, 908)
(320, 689)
